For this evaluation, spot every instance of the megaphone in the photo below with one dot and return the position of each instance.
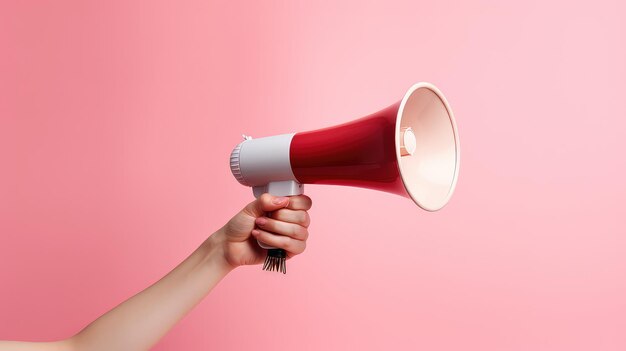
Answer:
(410, 148)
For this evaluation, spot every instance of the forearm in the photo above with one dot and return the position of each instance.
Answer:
(63, 345)
(139, 322)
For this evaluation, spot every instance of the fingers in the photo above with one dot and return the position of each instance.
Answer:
(291, 230)
(300, 202)
(288, 227)
(286, 243)
(299, 217)
(266, 203)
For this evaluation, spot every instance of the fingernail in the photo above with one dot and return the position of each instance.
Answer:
(279, 200)
(255, 232)
(261, 221)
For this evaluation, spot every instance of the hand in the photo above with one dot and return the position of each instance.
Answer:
(286, 229)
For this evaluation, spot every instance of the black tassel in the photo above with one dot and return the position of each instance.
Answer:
(276, 260)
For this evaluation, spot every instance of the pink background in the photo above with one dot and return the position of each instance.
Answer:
(118, 117)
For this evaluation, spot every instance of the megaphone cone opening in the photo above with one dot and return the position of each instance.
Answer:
(429, 174)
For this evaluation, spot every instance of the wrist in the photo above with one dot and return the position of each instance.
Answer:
(214, 252)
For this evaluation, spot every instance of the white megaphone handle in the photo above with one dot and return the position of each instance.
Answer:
(279, 188)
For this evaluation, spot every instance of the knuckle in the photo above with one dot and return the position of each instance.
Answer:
(295, 231)
(307, 202)
(304, 234)
(265, 198)
(300, 249)
(286, 244)
(297, 202)
(295, 247)
(300, 232)
(280, 214)
(305, 219)
(300, 218)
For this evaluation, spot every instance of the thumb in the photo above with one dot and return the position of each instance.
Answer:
(266, 203)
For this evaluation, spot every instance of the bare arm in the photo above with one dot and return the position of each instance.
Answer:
(139, 322)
